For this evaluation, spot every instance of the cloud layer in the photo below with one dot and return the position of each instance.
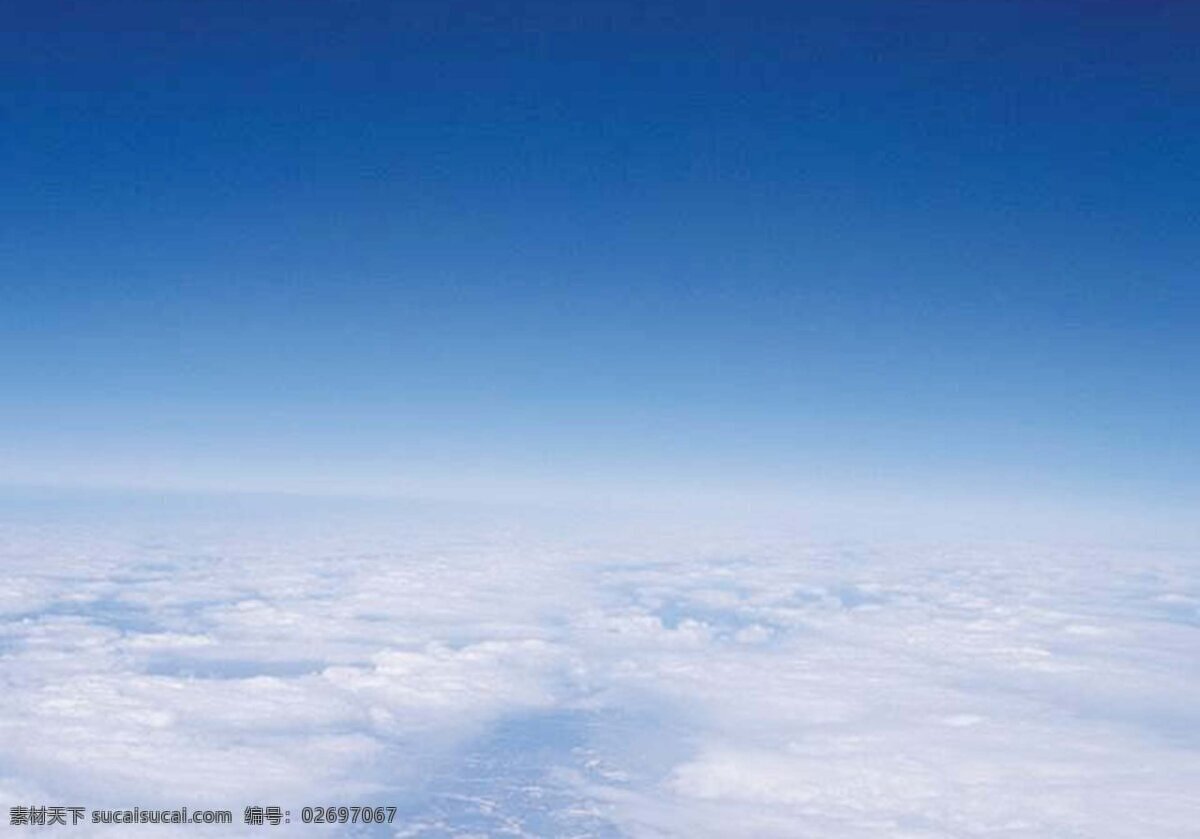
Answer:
(496, 680)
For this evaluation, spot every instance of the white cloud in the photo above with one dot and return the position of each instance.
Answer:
(488, 679)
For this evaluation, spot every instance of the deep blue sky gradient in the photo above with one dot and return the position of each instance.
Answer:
(944, 248)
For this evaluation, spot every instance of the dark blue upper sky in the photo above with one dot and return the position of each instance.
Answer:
(947, 247)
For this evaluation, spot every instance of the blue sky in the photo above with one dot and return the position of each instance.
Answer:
(943, 250)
